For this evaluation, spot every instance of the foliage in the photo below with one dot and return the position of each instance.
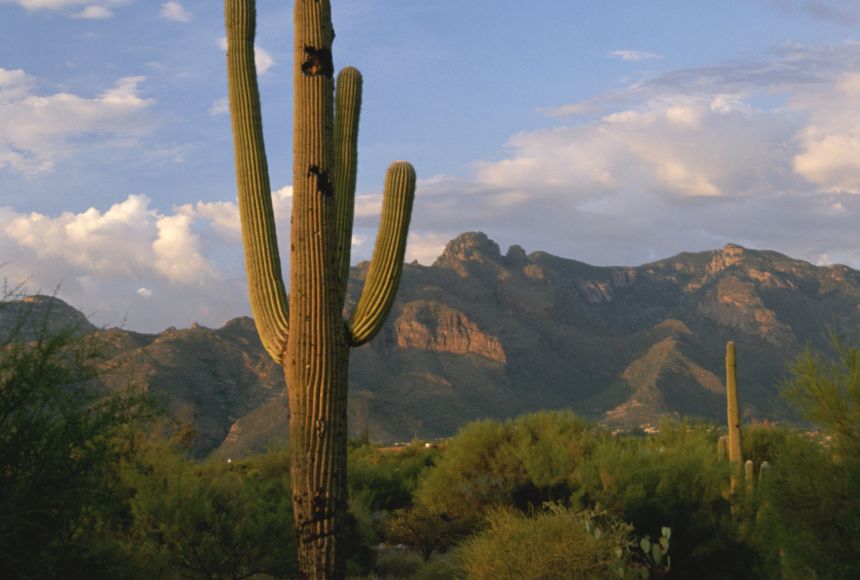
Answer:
(387, 480)
(671, 479)
(379, 481)
(398, 563)
(425, 529)
(217, 519)
(554, 543)
(826, 391)
(814, 491)
(523, 462)
(60, 442)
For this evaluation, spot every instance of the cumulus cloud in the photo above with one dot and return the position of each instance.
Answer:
(37, 130)
(86, 9)
(764, 152)
(136, 263)
(829, 144)
(425, 247)
(567, 110)
(263, 59)
(107, 260)
(175, 12)
(94, 12)
(634, 55)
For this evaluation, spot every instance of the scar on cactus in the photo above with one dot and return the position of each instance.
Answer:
(318, 62)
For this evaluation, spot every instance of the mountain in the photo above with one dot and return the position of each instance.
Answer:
(485, 334)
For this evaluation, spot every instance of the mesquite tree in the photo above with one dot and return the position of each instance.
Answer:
(306, 332)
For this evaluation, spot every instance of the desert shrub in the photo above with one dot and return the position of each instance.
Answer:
(215, 519)
(60, 443)
(398, 562)
(674, 480)
(386, 480)
(424, 529)
(814, 492)
(440, 567)
(556, 543)
(523, 463)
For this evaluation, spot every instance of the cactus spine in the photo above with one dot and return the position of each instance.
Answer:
(305, 332)
(734, 421)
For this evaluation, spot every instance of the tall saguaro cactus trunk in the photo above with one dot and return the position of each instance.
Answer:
(306, 332)
(733, 419)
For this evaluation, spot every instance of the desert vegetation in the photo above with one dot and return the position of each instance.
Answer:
(102, 484)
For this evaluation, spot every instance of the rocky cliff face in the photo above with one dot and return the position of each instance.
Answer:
(435, 327)
(486, 334)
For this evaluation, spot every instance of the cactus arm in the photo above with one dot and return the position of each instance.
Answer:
(377, 296)
(262, 260)
(347, 111)
(749, 474)
(733, 417)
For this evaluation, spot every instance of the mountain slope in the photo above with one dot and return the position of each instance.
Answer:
(482, 334)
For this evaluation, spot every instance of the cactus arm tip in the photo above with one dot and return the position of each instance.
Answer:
(377, 296)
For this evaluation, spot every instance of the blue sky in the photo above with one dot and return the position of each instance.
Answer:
(613, 132)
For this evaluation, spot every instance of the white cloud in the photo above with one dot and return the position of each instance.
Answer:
(829, 144)
(94, 12)
(176, 250)
(105, 261)
(175, 12)
(425, 247)
(263, 59)
(568, 110)
(220, 107)
(36, 130)
(634, 55)
(758, 152)
(86, 9)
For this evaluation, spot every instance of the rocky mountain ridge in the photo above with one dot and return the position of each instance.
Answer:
(485, 334)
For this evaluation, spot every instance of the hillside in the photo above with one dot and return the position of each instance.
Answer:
(485, 334)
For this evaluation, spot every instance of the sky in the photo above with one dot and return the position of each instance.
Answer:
(614, 132)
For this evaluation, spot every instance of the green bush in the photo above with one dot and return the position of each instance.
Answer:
(424, 529)
(814, 493)
(523, 463)
(217, 519)
(60, 444)
(672, 479)
(386, 480)
(552, 544)
(398, 563)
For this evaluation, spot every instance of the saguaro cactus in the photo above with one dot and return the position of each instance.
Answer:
(305, 332)
(733, 416)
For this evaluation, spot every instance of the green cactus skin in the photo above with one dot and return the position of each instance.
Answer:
(733, 417)
(749, 477)
(305, 332)
(763, 474)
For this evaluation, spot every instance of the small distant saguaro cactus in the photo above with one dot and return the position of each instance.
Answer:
(733, 419)
(306, 332)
